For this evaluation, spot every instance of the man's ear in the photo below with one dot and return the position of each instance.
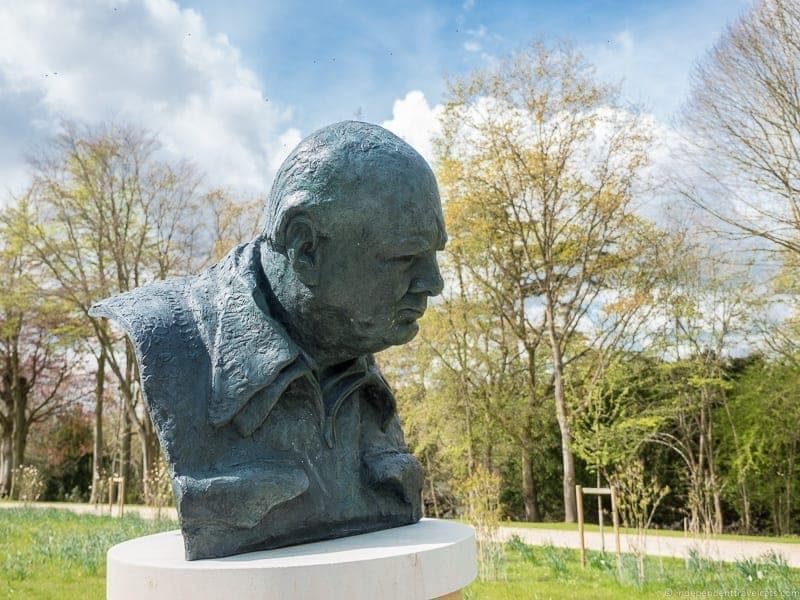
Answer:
(302, 249)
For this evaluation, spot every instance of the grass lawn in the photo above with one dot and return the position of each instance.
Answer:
(524, 572)
(52, 554)
(785, 539)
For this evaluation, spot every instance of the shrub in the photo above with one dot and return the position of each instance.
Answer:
(28, 483)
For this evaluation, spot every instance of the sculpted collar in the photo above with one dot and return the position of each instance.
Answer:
(253, 360)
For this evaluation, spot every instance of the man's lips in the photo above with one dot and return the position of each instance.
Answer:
(410, 314)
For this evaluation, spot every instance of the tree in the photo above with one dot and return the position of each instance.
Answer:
(744, 115)
(705, 312)
(62, 449)
(613, 412)
(112, 215)
(538, 163)
(744, 119)
(761, 454)
(231, 222)
(475, 350)
(638, 497)
(445, 381)
(33, 346)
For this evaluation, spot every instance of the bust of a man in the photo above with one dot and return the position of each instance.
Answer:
(258, 373)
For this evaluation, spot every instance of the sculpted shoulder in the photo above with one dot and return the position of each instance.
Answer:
(155, 317)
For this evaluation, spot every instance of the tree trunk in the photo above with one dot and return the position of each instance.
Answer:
(788, 490)
(97, 444)
(570, 510)
(125, 450)
(6, 460)
(712, 474)
(529, 491)
(432, 492)
(150, 455)
(718, 525)
(470, 439)
(19, 432)
(695, 501)
(19, 443)
(567, 459)
(748, 519)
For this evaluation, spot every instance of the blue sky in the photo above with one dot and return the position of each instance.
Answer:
(328, 59)
(234, 85)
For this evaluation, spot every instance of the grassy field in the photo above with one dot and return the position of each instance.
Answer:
(522, 572)
(50, 554)
(784, 539)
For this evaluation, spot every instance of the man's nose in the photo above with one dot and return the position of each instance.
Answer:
(428, 280)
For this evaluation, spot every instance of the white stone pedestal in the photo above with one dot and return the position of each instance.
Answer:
(429, 559)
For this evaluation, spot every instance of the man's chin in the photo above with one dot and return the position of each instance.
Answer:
(405, 332)
(401, 333)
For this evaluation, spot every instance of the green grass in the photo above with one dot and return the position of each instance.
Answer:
(50, 554)
(544, 572)
(53, 554)
(785, 539)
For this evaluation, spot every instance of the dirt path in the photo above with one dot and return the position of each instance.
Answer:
(656, 545)
(659, 545)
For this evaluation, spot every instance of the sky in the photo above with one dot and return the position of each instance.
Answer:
(233, 86)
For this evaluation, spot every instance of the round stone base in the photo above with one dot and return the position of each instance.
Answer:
(429, 559)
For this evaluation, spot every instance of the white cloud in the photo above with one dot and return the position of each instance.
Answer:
(147, 62)
(287, 140)
(414, 120)
(474, 44)
(624, 39)
(480, 32)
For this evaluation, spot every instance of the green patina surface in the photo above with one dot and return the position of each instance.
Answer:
(274, 344)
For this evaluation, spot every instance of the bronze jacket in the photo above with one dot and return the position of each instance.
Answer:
(264, 450)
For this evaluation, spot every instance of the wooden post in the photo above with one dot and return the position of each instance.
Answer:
(121, 496)
(600, 515)
(615, 521)
(600, 522)
(579, 500)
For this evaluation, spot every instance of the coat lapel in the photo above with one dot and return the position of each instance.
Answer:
(249, 350)
(253, 360)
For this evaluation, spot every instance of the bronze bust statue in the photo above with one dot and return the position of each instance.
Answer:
(258, 374)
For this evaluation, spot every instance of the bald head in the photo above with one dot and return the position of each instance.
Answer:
(333, 174)
(350, 232)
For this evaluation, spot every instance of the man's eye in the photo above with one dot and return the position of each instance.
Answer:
(404, 260)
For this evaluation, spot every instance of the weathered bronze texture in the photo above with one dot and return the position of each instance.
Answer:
(258, 374)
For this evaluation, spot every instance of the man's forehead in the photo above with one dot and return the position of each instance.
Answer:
(394, 207)
(412, 192)
(409, 232)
